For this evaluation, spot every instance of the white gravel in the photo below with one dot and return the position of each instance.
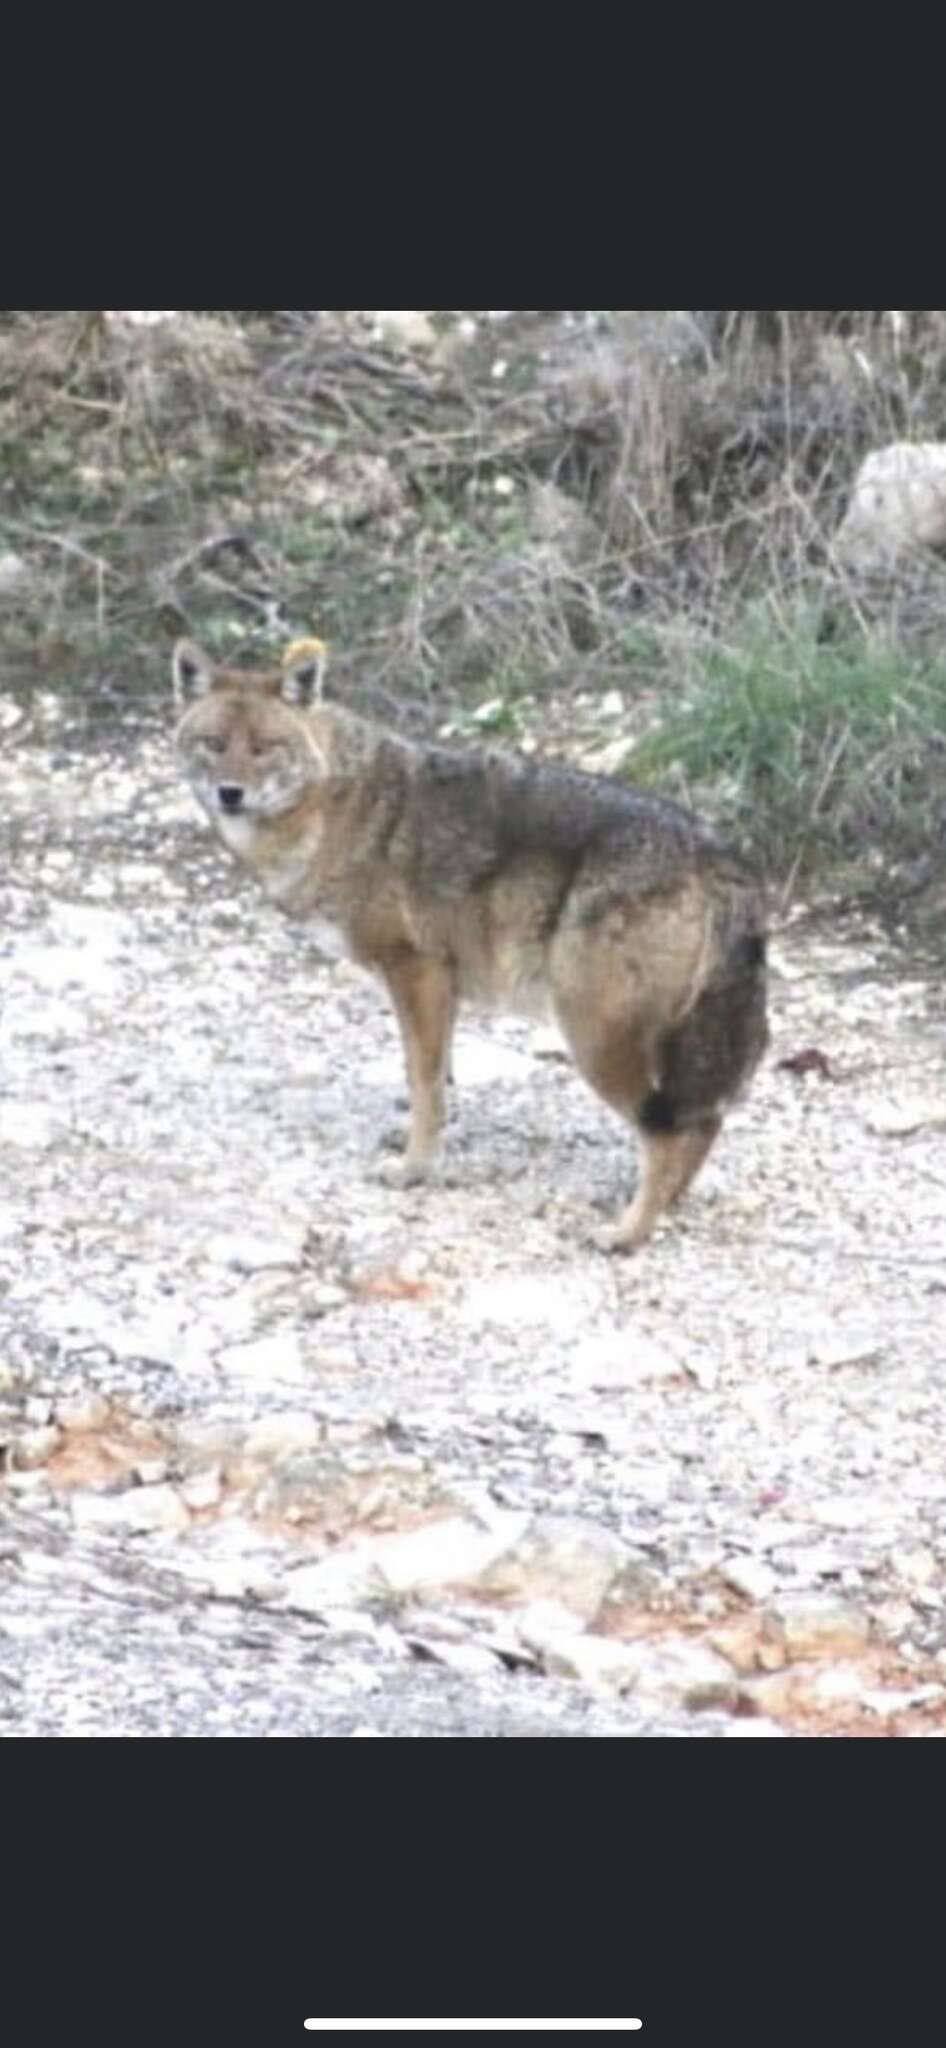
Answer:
(190, 1101)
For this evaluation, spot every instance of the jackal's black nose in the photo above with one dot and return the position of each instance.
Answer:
(231, 796)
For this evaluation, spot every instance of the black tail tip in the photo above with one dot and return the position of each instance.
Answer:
(753, 950)
(657, 1112)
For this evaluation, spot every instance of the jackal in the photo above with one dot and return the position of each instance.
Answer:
(474, 875)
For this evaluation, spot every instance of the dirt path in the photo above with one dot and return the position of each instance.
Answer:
(697, 1492)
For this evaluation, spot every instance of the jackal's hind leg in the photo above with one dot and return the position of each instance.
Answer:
(669, 1162)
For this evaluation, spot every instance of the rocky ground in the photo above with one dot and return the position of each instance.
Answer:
(286, 1453)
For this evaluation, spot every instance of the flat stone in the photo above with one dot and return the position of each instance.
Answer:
(625, 1358)
(855, 1511)
(810, 1561)
(879, 1701)
(598, 1661)
(265, 1358)
(669, 1673)
(560, 1557)
(79, 1413)
(774, 1692)
(36, 1446)
(834, 1684)
(469, 1658)
(901, 1118)
(816, 1627)
(685, 1673)
(249, 1253)
(202, 1489)
(138, 1508)
(230, 1579)
(918, 1566)
(751, 1576)
(843, 1345)
(201, 1443)
(737, 1641)
(151, 1471)
(276, 1434)
(342, 1580)
(452, 1551)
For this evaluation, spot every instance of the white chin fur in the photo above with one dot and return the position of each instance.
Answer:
(237, 829)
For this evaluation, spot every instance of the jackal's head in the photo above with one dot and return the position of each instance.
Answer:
(243, 739)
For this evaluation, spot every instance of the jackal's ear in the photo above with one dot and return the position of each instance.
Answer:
(193, 673)
(303, 670)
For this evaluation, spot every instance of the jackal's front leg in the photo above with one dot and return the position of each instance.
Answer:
(424, 997)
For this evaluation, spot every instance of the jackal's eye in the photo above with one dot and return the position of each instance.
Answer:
(212, 742)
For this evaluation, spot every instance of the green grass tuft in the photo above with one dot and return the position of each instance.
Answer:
(809, 751)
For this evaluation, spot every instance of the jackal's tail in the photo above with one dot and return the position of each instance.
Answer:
(709, 1055)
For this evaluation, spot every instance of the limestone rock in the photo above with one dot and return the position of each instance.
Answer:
(751, 1576)
(143, 1509)
(78, 1413)
(562, 1558)
(898, 503)
(816, 1627)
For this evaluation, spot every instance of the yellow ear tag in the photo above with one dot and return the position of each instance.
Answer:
(304, 650)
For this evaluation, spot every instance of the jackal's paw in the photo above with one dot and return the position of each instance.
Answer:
(404, 1173)
(614, 1237)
